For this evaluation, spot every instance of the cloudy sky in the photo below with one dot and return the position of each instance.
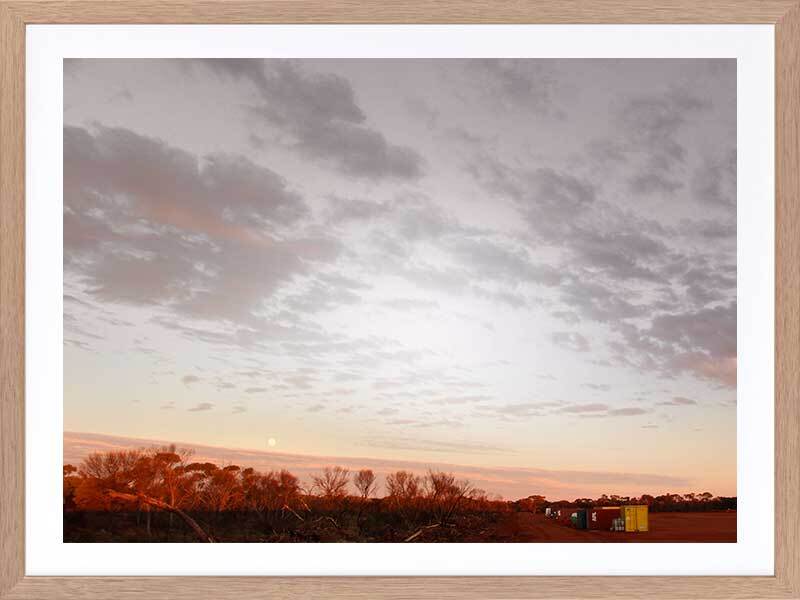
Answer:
(524, 265)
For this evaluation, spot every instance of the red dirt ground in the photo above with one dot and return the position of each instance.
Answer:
(664, 527)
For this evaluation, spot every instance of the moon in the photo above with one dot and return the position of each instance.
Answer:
(271, 442)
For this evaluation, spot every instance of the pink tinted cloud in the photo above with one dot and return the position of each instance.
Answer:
(509, 482)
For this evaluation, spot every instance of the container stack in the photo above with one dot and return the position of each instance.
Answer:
(632, 518)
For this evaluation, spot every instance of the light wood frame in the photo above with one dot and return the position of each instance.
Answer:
(783, 14)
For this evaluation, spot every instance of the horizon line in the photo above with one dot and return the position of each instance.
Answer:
(490, 478)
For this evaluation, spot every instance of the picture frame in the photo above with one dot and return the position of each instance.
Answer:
(15, 15)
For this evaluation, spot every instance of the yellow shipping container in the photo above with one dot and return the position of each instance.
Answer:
(635, 517)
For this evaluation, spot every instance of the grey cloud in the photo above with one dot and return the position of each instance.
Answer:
(598, 387)
(343, 391)
(651, 123)
(549, 199)
(411, 217)
(202, 406)
(570, 340)
(627, 412)
(320, 112)
(189, 379)
(678, 401)
(296, 95)
(351, 352)
(426, 424)
(710, 330)
(69, 299)
(710, 229)
(513, 299)
(343, 210)
(205, 255)
(605, 152)
(708, 283)
(417, 218)
(358, 151)
(567, 316)
(122, 95)
(403, 443)
(619, 253)
(598, 302)
(701, 342)
(346, 377)
(320, 297)
(418, 107)
(453, 281)
(303, 382)
(316, 408)
(563, 210)
(341, 281)
(489, 259)
(461, 399)
(463, 136)
(520, 409)
(78, 344)
(256, 141)
(559, 193)
(451, 423)
(516, 83)
(118, 162)
(584, 408)
(714, 182)
(594, 410)
(473, 255)
(247, 338)
(651, 183)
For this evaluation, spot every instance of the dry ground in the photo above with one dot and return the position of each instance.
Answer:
(664, 527)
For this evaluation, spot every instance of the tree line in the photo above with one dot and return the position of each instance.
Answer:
(166, 479)
(689, 502)
(142, 492)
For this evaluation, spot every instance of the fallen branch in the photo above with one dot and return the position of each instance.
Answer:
(291, 510)
(414, 536)
(331, 519)
(164, 506)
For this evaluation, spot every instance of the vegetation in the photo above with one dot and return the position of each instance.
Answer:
(691, 502)
(160, 494)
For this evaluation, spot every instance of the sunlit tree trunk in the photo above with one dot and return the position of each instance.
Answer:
(164, 506)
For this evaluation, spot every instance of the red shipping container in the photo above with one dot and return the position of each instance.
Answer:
(602, 517)
(563, 515)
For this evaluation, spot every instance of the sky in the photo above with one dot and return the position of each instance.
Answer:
(511, 266)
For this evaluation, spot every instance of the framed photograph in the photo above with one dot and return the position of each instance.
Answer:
(399, 300)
